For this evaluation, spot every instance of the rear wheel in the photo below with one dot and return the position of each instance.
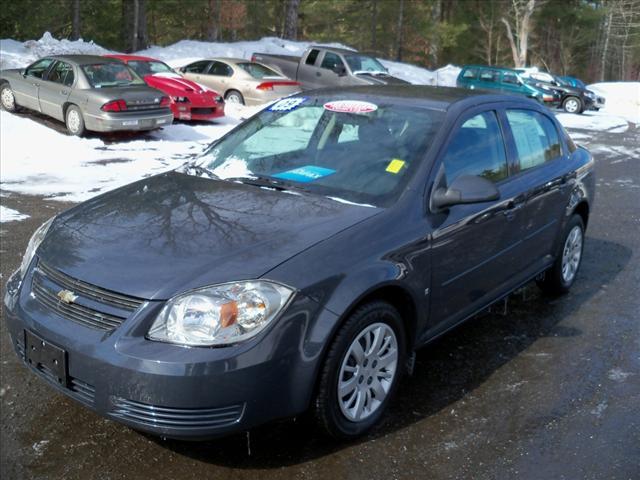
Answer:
(7, 99)
(572, 105)
(361, 372)
(560, 277)
(75, 121)
(233, 96)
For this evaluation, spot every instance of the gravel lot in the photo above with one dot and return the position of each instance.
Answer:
(551, 390)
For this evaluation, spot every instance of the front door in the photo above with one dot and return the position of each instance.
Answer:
(26, 90)
(55, 89)
(474, 247)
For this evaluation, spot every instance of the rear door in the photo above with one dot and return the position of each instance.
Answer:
(26, 90)
(55, 89)
(474, 247)
(510, 83)
(542, 169)
(489, 79)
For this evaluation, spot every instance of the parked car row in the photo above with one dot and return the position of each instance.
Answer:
(569, 93)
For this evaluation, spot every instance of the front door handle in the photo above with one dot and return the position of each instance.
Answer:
(512, 208)
(64, 92)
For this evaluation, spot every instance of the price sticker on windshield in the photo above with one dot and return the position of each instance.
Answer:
(351, 106)
(287, 104)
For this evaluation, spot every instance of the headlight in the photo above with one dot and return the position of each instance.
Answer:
(221, 314)
(180, 99)
(590, 94)
(34, 243)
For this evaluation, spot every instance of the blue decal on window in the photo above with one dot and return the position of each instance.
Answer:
(305, 174)
(287, 104)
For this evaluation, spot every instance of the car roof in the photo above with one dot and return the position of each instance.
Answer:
(493, 67)
(83, 59)
(333, 49)
(439, 98)
(127, 58)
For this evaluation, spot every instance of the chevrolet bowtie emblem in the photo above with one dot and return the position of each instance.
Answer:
(66, 296)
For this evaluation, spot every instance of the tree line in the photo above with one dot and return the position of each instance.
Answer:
(592, 39)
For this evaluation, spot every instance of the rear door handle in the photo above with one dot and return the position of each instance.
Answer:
(64, 92)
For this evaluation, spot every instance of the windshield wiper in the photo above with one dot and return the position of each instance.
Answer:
(199, 170)
(266, 182)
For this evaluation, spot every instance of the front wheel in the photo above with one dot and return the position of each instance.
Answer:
(572, 105)
(560, 277)
(75, 121)
(7, 99)
(361, 372)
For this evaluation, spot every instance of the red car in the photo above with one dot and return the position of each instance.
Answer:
(189, 100)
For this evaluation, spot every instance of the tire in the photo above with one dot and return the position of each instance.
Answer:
(7, 98)
(74, 121)
(234, 96)
(360, 407)
(562, 274)
(572, 105)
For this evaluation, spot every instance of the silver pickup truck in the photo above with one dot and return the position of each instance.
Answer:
(329, 67)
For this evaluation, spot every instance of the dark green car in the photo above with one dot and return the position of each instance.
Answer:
(504, 80)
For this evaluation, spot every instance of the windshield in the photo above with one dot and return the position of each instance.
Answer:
(358, 151)
(363, 63)
(258, 71)
(112, 74)
(144, 67)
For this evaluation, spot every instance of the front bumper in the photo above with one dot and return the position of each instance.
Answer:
(128, 121)
(170, 390)
(195, 111)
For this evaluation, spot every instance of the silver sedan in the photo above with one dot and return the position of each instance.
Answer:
(86, 92)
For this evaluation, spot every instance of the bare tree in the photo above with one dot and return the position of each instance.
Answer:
(213, 21)
(518, 34)
(400, 24)
(374, 24)
(75, 19)
(291, 20)
(134, 13)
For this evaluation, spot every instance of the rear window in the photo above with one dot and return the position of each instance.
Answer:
(257, 70)
(112, 74)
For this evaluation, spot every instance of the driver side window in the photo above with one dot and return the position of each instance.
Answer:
(331, 61)
(37, 69)
(477, 148)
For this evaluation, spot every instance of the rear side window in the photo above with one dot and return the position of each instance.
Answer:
(477, 148)
(312, 57)
(470, 73)
(220, 69)
(196, 67)
(489, 75)
(510, 77)
(331, 60)
(535, 136)
(62, 73)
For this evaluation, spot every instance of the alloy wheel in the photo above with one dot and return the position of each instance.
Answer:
(73, 121)
(7, 98)
(571, 254)
(367, 371)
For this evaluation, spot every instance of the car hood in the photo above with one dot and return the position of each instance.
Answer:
(175, 85)
(381, 79)
(173, 232)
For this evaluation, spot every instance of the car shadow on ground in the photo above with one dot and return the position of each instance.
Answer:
(446, 370)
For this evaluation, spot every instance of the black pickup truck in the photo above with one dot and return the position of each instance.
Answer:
(330, 67)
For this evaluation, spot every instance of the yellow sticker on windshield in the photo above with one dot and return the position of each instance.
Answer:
(395, 165)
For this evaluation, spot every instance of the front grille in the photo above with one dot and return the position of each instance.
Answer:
(47, 282)
(176, 417)
(202, 110)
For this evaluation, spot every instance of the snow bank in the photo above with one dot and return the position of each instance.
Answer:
(10, 215)
(69, 168)
(622, 99)
(17, 55)
(592, 120)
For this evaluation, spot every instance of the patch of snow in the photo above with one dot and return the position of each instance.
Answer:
(233, 167)
(618, 375)
(592, 120)
(599, 410)
(622, 99)
(10, 215)
(347, 202)
(38, 447)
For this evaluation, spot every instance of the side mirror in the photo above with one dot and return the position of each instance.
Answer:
(339, 70)
(23, 72)
(463, 190)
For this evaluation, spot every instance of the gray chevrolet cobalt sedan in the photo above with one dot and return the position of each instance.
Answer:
(300, 262)
(86, 92)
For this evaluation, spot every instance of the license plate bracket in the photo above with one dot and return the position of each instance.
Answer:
(46, 357)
